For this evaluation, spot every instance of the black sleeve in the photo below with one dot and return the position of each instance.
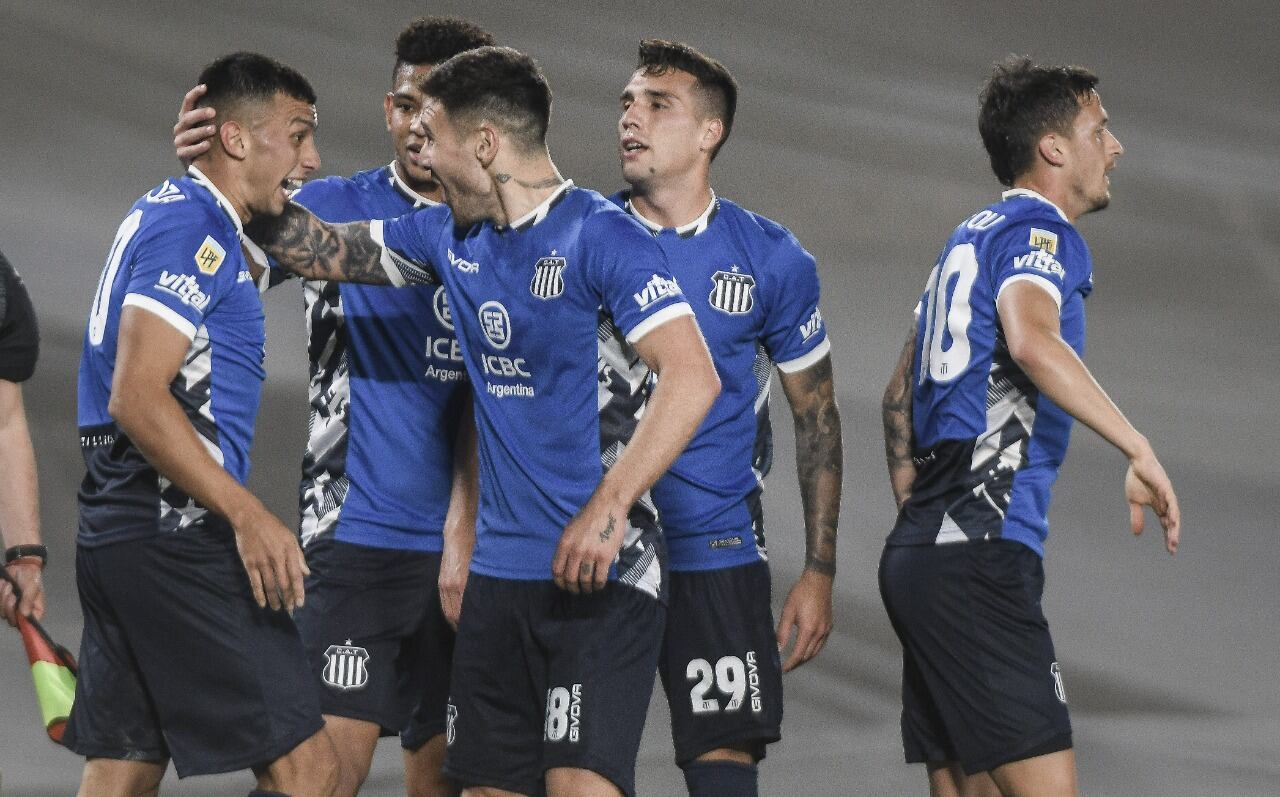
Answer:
(19, 336)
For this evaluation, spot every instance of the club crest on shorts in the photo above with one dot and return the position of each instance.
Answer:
(548, 279)
(1058, 689)
(347, 667)
(732, 293)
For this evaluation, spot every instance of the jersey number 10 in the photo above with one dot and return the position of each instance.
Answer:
(947, 314)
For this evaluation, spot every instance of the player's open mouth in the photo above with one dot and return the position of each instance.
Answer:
(631, 146)
(291, 184)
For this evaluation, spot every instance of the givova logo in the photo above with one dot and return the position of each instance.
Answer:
(496, 324)
(185, 288)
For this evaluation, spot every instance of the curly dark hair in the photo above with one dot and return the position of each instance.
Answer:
(498, 85)
(1022, 101)
(434, 40)
(249, 77)
(717, 89)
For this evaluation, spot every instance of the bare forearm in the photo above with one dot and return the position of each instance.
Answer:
(19, 495)
(303, 244)
(895, 414)
(157, 426)
(460, 521)
(819, 460)
(684, 394)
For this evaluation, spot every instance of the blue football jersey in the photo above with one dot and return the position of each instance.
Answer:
(754, 290)
(987, 445)
(546, 309)
(176, 255)
(386, 390)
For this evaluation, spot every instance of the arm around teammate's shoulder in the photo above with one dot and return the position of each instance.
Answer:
(1029, 316)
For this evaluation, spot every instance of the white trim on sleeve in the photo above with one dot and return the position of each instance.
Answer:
(387, 258)
(804, 361)
(656, 320)
(156, 307)
(1034, 279)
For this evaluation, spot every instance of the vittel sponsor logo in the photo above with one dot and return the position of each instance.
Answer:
(185, 287)
(813, 326)
(465, 266)
(655, 290)
(1041, 261)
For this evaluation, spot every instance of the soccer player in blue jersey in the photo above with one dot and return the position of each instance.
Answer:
(184, 576)
(375, 501)
(562, 304)
(976, 417)
(754, 291)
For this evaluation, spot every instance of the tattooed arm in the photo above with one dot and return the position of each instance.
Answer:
(895, 412)
(820, 467)
(303, 244)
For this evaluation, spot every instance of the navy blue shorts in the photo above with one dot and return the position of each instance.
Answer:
(545, 679)
(376, 637)
(980, 682)
(177, 661)
(719, 664)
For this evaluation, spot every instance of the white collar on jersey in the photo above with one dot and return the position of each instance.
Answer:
(397, 182)
(1027, 192)
(226, 205)
(684, 230)
(540, 212)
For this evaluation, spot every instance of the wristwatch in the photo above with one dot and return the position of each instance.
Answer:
(27, 551)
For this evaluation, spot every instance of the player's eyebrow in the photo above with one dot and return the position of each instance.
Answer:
(403, 95)
(309, 121)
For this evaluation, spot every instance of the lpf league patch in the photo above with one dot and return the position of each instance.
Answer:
(548, 279)
(210, 255)
(1043, 239)
(347, 666)
(732, 293)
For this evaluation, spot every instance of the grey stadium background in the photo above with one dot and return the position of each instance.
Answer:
(856, 129)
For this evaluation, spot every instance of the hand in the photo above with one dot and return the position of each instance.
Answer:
(194, 129)
(454, 565)
(273, 559)
(807, 612)
(27, 575)
(1146, 484)
(588, 547)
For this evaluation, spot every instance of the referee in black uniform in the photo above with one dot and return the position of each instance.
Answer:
(24, 556)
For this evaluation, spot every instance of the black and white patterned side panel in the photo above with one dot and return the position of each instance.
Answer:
(762, 451)
(623, 388)
(191, 386)
(324, 481)
(1011, 415)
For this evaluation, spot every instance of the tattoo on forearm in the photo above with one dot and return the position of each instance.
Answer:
(608, 529)
(895, 413)
(310, 248)
(819, 461)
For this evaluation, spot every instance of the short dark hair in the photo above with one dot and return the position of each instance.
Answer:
(1020, 103)
(718, 89)
(496, 84)
(434, 40)
(249, 77)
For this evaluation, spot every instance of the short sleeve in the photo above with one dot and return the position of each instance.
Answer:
(794, 332)
(180, 268)
(19, 335)
(1048, 254)
(410, 253)
(635, 281)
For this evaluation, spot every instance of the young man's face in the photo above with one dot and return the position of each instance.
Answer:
(663, 131)
(402, 104)
(1094, 150)
(451, 155)
(281, 154)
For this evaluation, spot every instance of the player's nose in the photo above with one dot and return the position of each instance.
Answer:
(310, 156)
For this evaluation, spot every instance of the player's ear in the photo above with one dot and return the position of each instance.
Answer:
(388, 103)
(487, 144)
(712, 134)
(1051, 149)
(234, 138)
